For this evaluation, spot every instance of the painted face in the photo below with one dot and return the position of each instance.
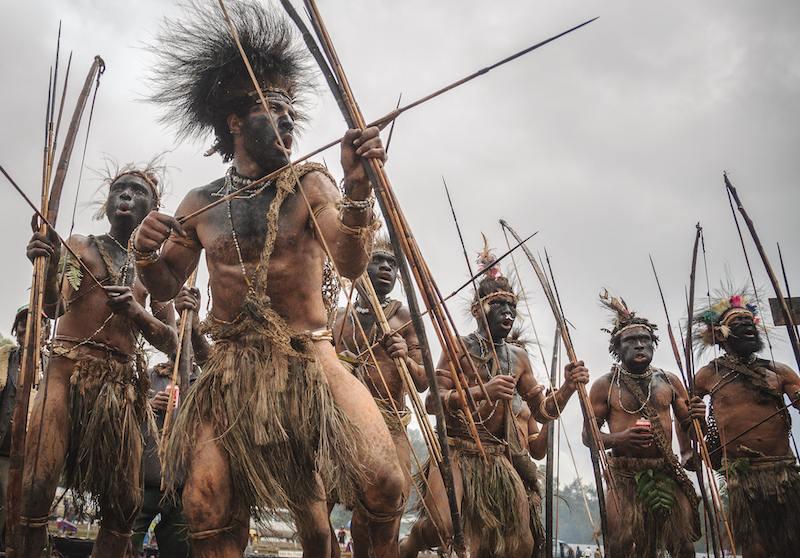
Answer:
(744, 339)
(500, 314)
(260, 141)
(131, 198)
(382, 271)
(636, 349)
(21, 327)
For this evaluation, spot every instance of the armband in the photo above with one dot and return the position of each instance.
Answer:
(543, 410)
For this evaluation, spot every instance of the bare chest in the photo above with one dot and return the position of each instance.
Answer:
(654, 390)
(236, 232)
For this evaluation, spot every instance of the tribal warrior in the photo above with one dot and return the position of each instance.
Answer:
(658, 507)
(274, 422)
(762, 473)
(97, 383)
(382, 378)
(497, 518)
(10, 364)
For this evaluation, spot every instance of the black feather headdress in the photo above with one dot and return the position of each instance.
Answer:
(199, 75)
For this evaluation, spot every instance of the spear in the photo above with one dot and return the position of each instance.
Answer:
(596, 450)
(773, 279)
(380, 123)
(688, 350)
(15, 542)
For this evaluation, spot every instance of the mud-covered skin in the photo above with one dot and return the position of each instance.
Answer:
(494, 326)
(122, 310)
(735, 408)
(294, 281)
(612, 403)
(382, 378)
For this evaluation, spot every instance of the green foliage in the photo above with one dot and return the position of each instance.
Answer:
(656, 489)
(739, 466)
(74, 272)
(5, 341)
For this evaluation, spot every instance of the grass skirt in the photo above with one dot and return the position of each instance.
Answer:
(107, 404)
(264, 391)
(766, 500)
(653, 531)
(489, 505)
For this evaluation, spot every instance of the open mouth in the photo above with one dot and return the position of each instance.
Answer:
(123, 209)
(385, 277)
(507, 322)
(287, 142)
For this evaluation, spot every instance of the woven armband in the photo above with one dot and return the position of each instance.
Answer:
(543, 410)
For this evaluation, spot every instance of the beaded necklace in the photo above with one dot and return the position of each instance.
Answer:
(235, 181)
(483, 344)
(647, 373)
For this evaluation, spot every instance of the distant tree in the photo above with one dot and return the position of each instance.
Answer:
(5, 341)
(574, 525)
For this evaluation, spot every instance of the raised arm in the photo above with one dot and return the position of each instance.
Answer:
(547, 409)
(347, 223)
(164, 272)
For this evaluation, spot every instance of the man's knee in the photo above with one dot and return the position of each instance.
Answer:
(385, 494)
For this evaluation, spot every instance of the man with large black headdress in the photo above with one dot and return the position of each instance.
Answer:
(274, 421)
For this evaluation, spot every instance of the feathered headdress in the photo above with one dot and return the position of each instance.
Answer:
(623, 319)
(492, 283)
(711, 320)
(486, 260)
(200, 77)
(382, 244)
(153, 172)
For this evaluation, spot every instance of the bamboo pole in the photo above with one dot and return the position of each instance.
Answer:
(550, 465)
(15, 537)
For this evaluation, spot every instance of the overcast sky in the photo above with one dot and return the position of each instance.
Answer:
(611, 142)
